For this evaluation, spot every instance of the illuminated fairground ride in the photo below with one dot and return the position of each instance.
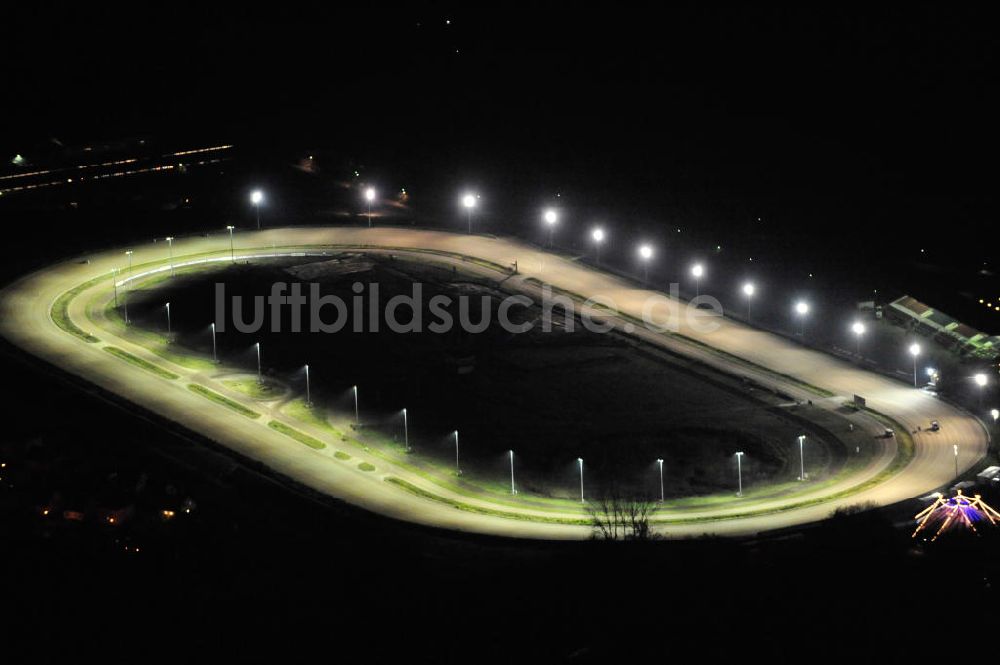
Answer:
(959, 510)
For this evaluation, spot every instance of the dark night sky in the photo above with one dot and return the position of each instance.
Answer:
(831, 119)
(894, 84)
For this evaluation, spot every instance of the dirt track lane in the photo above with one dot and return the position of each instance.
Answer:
(25, 320)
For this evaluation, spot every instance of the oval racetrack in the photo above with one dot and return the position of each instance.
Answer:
(27, 322)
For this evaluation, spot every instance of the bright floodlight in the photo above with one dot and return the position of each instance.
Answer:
(748, 289)
(980, 380)
(469, 201)
(858, 328)
(370, 194)
(697, 270)
(931, 371)
(995, 413)
(646, 252)
(550, 217)
(914, 349)
(801, 308)
(597, 234)
(256, 196)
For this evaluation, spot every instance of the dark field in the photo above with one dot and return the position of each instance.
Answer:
(550, 396)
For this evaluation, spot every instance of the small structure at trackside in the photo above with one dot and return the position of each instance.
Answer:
(946, 330)
(959, 511)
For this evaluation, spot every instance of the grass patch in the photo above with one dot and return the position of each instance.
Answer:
(301, 437)
(139, 362)
(311, 415)
(365, 466)
(461, 505)
(223, 400)
(266, 390)
(60, 311)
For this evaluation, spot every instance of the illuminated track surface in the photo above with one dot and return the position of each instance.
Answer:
(26, 319)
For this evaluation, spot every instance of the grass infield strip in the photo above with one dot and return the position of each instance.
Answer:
(60, 311)
(413, 489)
(223, 400)
(903, 456)
(139, 362)
(301, 437)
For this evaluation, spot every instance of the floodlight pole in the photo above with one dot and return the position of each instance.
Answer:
(357, 413)
(739, 473)
(406, 431)
(802, 457)
(215, 354)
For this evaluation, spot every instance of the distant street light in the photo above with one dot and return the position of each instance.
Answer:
(748, 291)
(802, 457)
(458, 469)
(645, 254)
(357, 412)
(550, 218)
(802, 309)
(232, 250)
(169, 327)
(215, 354)
(114, 283)
(170, 249)
(260, 373)
(579, 461)
(308, 391)
(739, 473)
(914, 351)
(697, 270)
(858, 329)
(369, 197)
(406, 431)
(659, 462)
(995, 413)
(955, 446)
(256, 198)
(598, 236)
(981, 381)
(469, 201)
(128, 285)
(512, 489)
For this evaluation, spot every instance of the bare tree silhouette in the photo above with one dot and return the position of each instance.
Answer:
(617, 516)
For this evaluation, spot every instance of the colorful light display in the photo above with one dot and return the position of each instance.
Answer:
(957, 511)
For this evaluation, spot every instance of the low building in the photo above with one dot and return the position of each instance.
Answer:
(929, 322)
